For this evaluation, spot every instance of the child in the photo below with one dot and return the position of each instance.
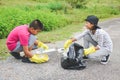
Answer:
(22, 38)
(101, 41)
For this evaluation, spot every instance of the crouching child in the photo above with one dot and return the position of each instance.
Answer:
(22, 38)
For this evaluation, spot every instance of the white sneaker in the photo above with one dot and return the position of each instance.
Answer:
(105, 59)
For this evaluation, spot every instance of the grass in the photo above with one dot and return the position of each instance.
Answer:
(47, 37)
(65, 33)
(76, 15)
(51, 36)
(16, 2)
(59, 34)
(3, 49)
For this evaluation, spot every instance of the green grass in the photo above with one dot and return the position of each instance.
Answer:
(66, 32)
(60, 34)
(104, 9)
(16, 2)
(3, 49)
(51, 36)
(47, 37)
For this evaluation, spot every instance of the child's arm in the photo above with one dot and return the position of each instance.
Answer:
(34, 57)
(68, 42)
(41, 44)
(89, 50)
(27, 52)
(97, 48)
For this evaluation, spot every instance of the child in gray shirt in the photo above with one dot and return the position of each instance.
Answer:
(99, 38)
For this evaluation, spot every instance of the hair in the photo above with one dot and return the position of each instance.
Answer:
(96, 27)
(36, 24)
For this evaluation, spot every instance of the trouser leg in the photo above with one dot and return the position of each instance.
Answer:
(16, 52)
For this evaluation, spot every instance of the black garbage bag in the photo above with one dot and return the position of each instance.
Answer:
(74, 59)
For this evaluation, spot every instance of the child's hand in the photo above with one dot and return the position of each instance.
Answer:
(40, 44)
(39, 58)
(89, 50)
(44, 46)
(67, 43)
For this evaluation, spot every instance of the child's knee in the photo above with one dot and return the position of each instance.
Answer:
(32, 40)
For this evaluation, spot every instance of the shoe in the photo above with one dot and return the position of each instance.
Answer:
(26, 60)
(16, 55)
(85, 57)
(105, 59)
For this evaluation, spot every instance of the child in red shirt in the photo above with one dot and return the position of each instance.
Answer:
(22, 38)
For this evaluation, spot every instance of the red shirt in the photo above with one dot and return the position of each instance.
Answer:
(19, 33)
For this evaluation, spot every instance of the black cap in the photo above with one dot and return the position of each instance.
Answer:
(92, 19)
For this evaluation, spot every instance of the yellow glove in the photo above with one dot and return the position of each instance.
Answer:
(39, 58)
(89, 50)
(67, 43)
(40, 44)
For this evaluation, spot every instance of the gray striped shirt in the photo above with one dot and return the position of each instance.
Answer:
(101, 37)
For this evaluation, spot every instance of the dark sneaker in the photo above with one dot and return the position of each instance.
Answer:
(85, 57)
(16, 55)
(105, 59)
(26, 60)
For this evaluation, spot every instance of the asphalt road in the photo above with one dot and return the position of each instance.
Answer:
(12, 69)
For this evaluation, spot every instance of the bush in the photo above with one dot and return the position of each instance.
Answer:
(12, 17)
(77, 3)
(54, 6)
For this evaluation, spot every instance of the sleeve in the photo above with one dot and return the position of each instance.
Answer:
(23, 38)
(100, 40)
(81, 35)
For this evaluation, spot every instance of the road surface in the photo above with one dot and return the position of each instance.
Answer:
(12, 69)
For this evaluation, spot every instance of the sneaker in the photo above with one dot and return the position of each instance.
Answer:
(16, 55)
(26, 60)
(85, 57)
(105, 59)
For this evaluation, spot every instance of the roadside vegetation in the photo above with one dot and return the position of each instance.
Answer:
(61, 18)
